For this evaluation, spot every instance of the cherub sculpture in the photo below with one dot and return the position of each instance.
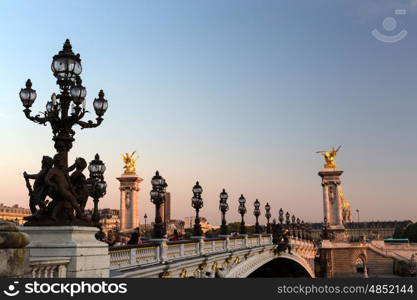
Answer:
(62, 193)
(79, 181)
(39, 192)
(329, 157)
(130, 163)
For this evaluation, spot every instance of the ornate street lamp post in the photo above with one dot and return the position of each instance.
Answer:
(97, 184)
(257, 213)
(303, 230)
(242, 211)
(66, 67)
(197, 204)
(287, 221)
(157, 197)
(145, 217)
(293, 226)
(298, 226)
(65, 110)
(268, 216)
(224, 207)
(281, 216)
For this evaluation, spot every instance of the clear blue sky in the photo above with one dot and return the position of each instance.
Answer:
(236, 94)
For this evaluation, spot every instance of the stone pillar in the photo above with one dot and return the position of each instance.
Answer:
(129, 201)
(89, 258)
(14, 257)
(332, 203)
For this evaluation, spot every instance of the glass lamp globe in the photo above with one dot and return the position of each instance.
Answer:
(100, 104)
(66, 65)
(78, 93)
(223, 195)
(27, 95)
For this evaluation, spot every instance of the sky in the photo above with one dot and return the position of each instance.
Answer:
(236, 94)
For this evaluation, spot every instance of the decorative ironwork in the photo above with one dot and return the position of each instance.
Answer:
(97, 186)
(268, 216)
(293, 225)
(242, 212)
(281, 216)
(287, 220)
(158, 197)
(224, 207)
(257, 213)
(66, 109)
(197, 204)
(298, 228)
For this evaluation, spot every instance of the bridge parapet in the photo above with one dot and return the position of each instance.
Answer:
(158, 253)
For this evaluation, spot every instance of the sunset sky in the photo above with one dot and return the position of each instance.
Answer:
(236, 94)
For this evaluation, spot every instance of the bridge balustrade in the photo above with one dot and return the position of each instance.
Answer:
(49, 267)
(158, 252)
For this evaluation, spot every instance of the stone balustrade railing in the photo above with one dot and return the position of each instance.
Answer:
(162, 251)
(49, 267)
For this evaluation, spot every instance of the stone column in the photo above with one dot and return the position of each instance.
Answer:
(332, 206)
(129, 201)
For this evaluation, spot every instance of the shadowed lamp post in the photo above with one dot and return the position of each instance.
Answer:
(242, 211)
(65, 110)
(281, 216)
(293, 225)
(224, 207)
(66, 67)
(98, 185)
(298, 228)
(257, 213)
(287, 221)
(157, 197)
(197, 204)
(145, 217)
(268, 216)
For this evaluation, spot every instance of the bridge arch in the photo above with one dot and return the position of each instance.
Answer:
(262, 264)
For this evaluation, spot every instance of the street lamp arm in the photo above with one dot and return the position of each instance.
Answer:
(37, 118)
(89, 124)
(77, 115)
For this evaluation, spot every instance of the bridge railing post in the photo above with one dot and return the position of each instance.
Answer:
(163, 251)
(227, 244)
(132, 256)
(182, 250)
(245, 241)
(200, 246)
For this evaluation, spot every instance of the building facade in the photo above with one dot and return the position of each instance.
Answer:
(14, 213)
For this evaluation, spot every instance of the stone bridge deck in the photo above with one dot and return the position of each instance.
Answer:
(216, 257)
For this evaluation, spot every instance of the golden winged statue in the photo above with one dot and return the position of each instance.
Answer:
(329, 157)
(130, 163)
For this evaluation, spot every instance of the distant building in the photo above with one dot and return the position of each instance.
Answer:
(13, 213)
(167, 207)
(373, 230)
(205, 225)
(175, 225)
(109, 219)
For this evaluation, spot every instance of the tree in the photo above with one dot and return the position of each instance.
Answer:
(410, 232)
(398, 233)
